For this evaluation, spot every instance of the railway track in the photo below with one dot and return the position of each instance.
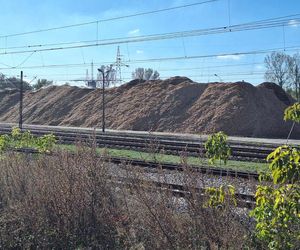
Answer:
(243, 199)
(167, 166)
(142, 142)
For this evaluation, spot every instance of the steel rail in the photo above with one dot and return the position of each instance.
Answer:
(216, 171)
(142, 142)
(243, 200)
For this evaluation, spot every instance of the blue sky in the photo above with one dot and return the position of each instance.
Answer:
(21, 16)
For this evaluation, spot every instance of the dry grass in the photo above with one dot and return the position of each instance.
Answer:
(69, 201)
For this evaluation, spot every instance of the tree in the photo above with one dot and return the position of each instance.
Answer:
(155, 75)
(277, 211)
(277, 68)
(109, 75)
(293, 63)
(42, 83)
(2, 77)
(138, 74)
(12, 83)
(148, 74)
(145, 74)
(285, 71)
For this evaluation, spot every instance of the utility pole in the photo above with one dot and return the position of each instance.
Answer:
(21, 103)
(105, 71)
(103, 103)
(218, 77)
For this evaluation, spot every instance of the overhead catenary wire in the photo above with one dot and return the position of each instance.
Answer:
(265, 51)
(226, 76)
(175, 70)
(137, 61)
(100, 63)
(263, 24)
(24, 61)
(108, 19)
(267, 23)
(164, 69)
(189, 75)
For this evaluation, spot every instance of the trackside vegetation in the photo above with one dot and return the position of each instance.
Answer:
(73, 201)
(167, 158)
(277, 211)
(217, 148)
(18, 139)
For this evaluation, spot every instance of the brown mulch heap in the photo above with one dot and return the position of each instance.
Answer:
(173, 105)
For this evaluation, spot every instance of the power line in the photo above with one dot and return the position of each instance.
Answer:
(71, 65)
(24, 61)
(176, 70)
(228, 77)
(291, 48)
(108, 19)
(209, 67)
(263, 24)
(164, 69)
(254, 73)
(259, 73)
(265, 51)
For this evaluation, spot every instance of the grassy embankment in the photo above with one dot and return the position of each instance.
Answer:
(166, 158)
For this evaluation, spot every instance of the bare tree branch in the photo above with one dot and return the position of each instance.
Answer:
(277, 69)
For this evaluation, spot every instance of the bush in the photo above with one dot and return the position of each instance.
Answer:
(19, 139)
(69, 201)
(217, 148)
(277, 210)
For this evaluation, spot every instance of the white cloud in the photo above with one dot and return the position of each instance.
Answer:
(139, 51)
(294, 23)
(230, 57)
(134, 32)
(259, 67)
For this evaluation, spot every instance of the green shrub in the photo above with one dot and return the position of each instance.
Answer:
(292, 113)
(277, 211)
(217, 148)
(19, 139)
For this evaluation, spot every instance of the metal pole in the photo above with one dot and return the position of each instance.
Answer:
(21, 103)
(103, 103)
(220, 79)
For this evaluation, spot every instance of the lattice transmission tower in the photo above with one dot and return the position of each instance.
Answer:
(119, 64)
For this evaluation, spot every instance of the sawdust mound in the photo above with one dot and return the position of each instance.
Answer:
(173, 105)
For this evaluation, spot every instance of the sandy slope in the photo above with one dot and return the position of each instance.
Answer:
(176, 104)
